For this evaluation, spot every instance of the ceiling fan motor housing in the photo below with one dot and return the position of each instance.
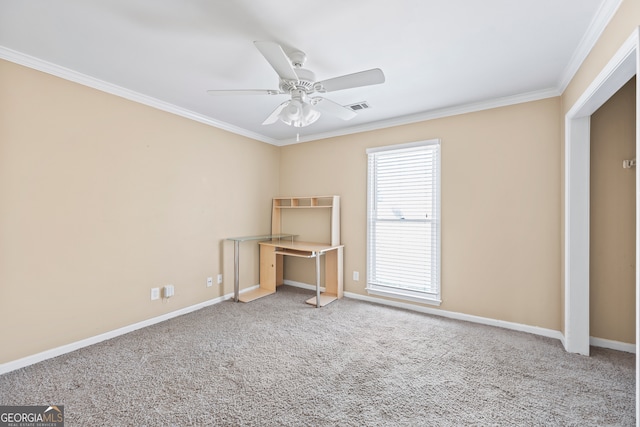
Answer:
(306, 82)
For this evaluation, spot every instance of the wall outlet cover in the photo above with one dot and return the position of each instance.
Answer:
(209, 281)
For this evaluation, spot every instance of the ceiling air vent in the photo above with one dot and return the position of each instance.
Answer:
(359, 106)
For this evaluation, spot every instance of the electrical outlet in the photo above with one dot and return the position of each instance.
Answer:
(155, 293)
(209, 281)
(356, 276)
(219, 279)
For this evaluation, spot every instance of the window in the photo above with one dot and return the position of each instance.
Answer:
(403, 221)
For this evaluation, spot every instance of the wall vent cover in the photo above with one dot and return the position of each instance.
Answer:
(359, 106)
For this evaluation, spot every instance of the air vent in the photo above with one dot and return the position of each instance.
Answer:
(359, 106)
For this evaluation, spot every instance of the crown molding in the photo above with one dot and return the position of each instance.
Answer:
(92, 82)
(431, 115)
(607, 10)
(74, 76)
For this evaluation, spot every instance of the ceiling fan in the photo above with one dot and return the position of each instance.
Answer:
(304, 109)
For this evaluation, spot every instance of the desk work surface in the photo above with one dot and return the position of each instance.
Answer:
(274, 237)
(301, 246)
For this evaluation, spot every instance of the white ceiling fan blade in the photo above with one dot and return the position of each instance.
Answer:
(363, 78)
(279, 60)
(245, 92)
(273, 117)
(333, 108)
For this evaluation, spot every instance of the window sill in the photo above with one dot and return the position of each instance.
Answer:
(404, 295)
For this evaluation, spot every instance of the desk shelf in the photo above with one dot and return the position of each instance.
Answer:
(304, 202)
(311, 202)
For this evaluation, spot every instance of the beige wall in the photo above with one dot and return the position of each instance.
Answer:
(102, 199)
(612, 235)
(500, 204)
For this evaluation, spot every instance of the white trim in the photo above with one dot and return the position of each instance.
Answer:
(83, 79)
(577, 153)
(405, 295)
(605, 13)
(68, 348)
(430, 115)
(303, 285)
(549, 333)
(620, 68)
(613, 345)
(393, 147)
(101, 85)
(615, 74)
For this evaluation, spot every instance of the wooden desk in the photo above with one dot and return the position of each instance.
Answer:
(271, 268)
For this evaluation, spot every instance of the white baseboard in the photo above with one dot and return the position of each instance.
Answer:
(613, 345)
(303, 285)
(58, 351)
(550, 333)
(68, 348)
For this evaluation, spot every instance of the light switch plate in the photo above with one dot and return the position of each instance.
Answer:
(169, 291)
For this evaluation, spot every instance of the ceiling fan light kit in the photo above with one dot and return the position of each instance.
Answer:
(302, 110)
(299, 112)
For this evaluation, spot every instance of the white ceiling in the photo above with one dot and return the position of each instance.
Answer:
(439, 56)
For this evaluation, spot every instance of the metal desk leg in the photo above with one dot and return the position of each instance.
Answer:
(317, 279)
(236, 270)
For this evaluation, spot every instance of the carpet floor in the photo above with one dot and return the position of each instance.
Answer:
(280, 362)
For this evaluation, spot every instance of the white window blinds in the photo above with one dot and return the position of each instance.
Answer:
(403, 239)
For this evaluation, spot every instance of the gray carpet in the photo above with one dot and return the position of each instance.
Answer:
(280, 362)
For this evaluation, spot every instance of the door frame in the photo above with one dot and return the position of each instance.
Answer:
(622, 67)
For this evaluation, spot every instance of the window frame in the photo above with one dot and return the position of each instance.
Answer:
(432, 298)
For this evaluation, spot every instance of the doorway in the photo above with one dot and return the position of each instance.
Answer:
(620, 70)
(622, 67)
